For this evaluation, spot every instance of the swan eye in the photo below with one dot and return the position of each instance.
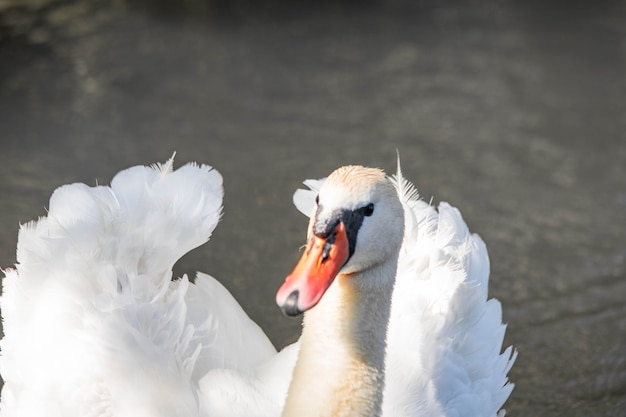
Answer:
(317, 199)
(368, 210)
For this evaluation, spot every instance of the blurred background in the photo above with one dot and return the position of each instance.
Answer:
(513, 111)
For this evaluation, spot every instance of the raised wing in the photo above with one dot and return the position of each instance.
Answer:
(93, 323)
(445, 337)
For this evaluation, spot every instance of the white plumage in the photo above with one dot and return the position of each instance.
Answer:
(94, 326)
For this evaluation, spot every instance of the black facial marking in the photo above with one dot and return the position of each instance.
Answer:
(323, 228)
(352, 220)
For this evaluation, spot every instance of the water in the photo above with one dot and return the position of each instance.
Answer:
(513, 112)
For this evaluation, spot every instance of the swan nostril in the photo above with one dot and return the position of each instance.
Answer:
(326, 251)
(290, 307)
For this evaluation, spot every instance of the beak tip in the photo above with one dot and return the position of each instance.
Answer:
(290, 306)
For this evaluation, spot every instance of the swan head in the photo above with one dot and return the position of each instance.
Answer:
(358, 225)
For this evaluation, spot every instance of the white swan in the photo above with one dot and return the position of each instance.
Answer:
(94, 326)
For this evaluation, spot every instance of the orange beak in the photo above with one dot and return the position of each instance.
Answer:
(319, 265)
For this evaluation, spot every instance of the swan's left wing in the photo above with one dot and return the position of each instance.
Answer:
(445, 336)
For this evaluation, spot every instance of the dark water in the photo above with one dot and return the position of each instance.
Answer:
(513, 111)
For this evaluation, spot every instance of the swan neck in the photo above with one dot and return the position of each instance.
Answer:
(341, 363)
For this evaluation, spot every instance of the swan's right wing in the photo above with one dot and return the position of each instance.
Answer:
(92, 322)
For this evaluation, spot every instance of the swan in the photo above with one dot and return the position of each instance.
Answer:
(393, 291)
